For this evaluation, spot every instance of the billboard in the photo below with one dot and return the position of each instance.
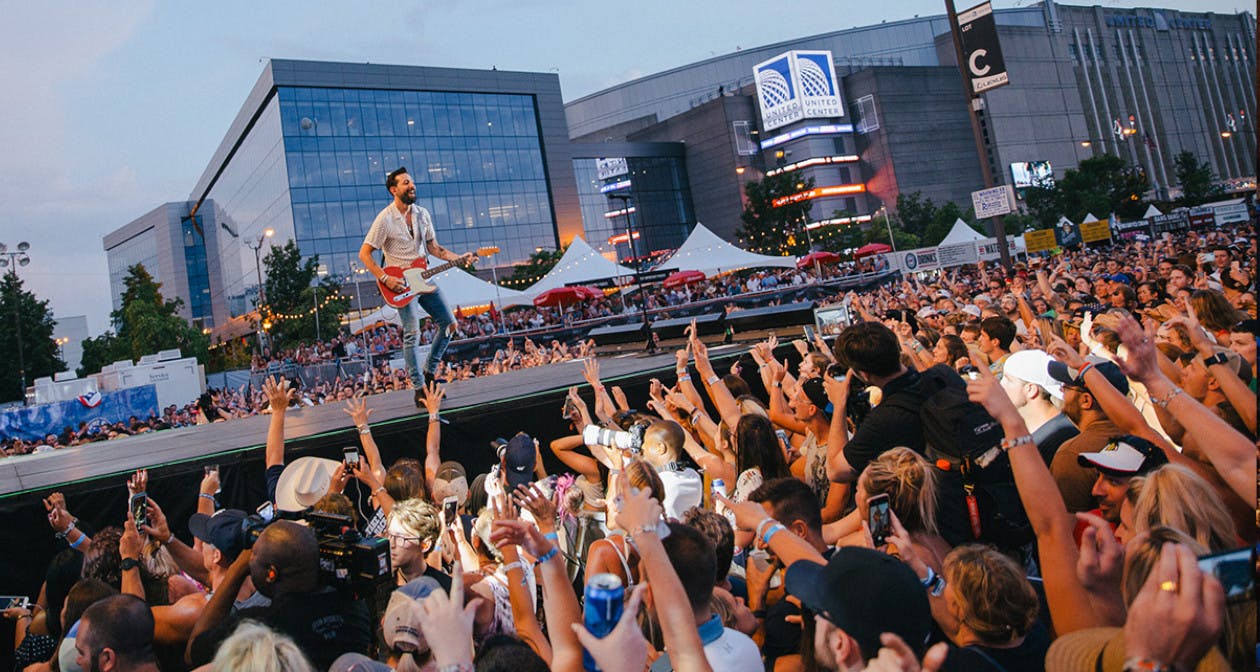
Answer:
(978, 33)
(1032, 174)
(797, 85)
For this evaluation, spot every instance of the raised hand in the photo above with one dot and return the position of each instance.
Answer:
(897, 656)
(1138, 361)
(58, 517)
(129, 543)
(447, 623)
(1101, 561)
(357, 409)
(1178, 614)
(279, 393)
(540, 506)
(590, 372)
(433, 394)
(138, 482)
(157, 526)
(985, 390)
(619, 397)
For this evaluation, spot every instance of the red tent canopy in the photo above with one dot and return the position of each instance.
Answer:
(561, 296)
(821, 256)
(680, 278)
(871, 249)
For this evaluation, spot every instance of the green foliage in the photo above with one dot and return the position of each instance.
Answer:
(1195, 180)
(1100, 185)
(144, 324)
(291, 299)
(540, 263)
(40, 354)
(771, 230)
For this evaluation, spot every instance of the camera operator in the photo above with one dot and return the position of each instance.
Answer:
(284, 566)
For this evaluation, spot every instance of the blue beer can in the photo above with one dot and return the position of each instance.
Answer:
(603, 600)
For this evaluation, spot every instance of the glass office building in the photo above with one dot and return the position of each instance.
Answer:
(308, 154)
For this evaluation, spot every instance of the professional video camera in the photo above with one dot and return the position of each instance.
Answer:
(347, 559)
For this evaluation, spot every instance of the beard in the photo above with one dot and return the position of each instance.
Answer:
(408, 197)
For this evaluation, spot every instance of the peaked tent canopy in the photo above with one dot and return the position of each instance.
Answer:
(961, 233)
(704, 251)
(1089, 217)
(580, 263)
(1151, 211)
(462, 289)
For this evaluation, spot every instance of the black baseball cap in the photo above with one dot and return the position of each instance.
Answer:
(865, 593)
(1068, 375)
(816, 392)
(222, 530)
(519, 460)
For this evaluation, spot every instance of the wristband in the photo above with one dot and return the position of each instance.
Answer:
(1008, 444)
(761, 527)
(78, 542)
(62, 534)
(682, 377)
(642, 529)
(1146, 665)
(1080, 376)
(208, 496)
(128, 564)
(777, 527)
(1218, 358)
(513, 565)
(552, 536)
(1163, 401)
(456, 667)
(547, 556)
(436, 417)
(379, 490)
(364, 430)
(712, 380)
(759, 614)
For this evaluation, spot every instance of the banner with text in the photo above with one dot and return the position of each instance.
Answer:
(981, 51)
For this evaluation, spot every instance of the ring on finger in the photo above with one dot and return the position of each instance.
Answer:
(1168, 586)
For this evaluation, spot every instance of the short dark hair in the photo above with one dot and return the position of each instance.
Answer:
(718, 530)
(869, 347)
(505, 653)
(391, 180)
(694, 560)
(122, 623)
(1001, 328)
(791, 500)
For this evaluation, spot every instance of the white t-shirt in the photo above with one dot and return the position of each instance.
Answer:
(683, 489)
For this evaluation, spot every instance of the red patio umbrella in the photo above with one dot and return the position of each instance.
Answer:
(680, 278)
(821, 257)
(563, 296)
(871, 250)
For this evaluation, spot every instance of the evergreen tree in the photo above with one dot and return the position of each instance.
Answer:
(39, 356)
(291, 300)
(1100, 185)
(1195, 180)
(771, 230)
(145, 324)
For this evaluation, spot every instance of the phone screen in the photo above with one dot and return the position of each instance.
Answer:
(450, 507)
(14, 602)
(783, 439)
(1235, 570)
(350, 456)
(879, 518)
(809, 333)
(140, 509)
(267, 511)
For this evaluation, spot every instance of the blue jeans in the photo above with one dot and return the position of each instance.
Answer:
(435, 306)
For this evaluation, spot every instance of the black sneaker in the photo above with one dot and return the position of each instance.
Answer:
(419, 398)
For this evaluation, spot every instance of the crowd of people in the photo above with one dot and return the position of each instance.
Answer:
(1046, 468)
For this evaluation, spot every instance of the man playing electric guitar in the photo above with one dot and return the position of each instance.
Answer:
(403, 232)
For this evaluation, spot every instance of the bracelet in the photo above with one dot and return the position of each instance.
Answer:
(1080, 376)
(1146, 665)
(1008, 444)
(546, 556)
(759, 613)
(205, 495)
(78, 542)
(436, 417)
(513, 565)
(379, 490)
(761, 527)
(456, 667)
(927, 580)
(364, 430)
(683, 376)
(554, 536)
(1163, 401)
(642, 529)
(62, 534)
(777, 527)
(712, 380)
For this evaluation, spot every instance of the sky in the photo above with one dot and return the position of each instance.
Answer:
(113, 108)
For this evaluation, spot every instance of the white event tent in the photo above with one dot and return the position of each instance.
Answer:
(580, 263)
(704, 251)
(961, 233)
(460, 289)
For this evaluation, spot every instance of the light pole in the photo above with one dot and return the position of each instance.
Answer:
(358, 299)
(625, 208)
(255, 244)
(892, 242)
(494, 270)
(319, 273)
(12, 260)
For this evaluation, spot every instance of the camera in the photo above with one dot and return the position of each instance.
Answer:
(631, 440)
(347, 559)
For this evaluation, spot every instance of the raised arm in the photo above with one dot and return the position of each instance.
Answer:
(433, 394)
(279, 394)
(1236, 392)
(560, 603)
(727, 408)
(357, 409)
(838, 468)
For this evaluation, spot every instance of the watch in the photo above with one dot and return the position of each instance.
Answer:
(128, 564)
(1218, 358)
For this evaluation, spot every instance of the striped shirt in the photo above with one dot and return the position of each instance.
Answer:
(391, 235)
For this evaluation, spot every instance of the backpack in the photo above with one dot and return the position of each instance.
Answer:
(974, 476)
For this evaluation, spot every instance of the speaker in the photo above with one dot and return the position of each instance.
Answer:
(618, 334)
(772, 317)
(706, 325)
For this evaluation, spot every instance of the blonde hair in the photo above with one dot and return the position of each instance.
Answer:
(641, 475)
(481, 527)
(1175, 496)
(417, 517)
(908, 480)
(997, 602)
(255, 647)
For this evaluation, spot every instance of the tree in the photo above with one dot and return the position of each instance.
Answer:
(144, 324)
(291, 300)
(914, 214)
(767, 229)
(1195, 179)
(39, 352)
(1100, 185)
(539, 264)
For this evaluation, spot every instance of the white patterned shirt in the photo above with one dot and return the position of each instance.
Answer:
(391, 235)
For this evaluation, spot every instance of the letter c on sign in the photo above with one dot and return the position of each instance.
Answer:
(978, 70)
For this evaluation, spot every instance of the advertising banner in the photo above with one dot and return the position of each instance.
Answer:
(797, 85)
(609, 168)
(1202, 218)
(1092, 232)
(34, 422)
(981, 51)
(1173, 221)
(1232, 214)
(989, 251)
(1040, 241)
(1067, 233)
(957, 255)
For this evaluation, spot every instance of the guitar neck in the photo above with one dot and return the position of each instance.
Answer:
(430, 272)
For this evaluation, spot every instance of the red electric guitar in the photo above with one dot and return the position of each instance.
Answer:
(416, 278)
